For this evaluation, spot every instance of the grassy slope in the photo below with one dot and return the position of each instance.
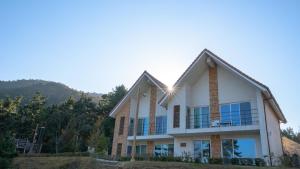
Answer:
(90, 163)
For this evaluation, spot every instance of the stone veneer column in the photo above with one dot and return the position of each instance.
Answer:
(124, 112)
(152, 111)
(214, 108)
(153, 96)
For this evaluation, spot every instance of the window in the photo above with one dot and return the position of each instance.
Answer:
(143, 127)
(202, 151)
(201, 117)
(161, 125)
(119, 149)
(236, 114)
(131, 127)
(121, 127)
(176, 117)
(129, 150)
(163, 150)
(141, 150)
(239, 148)
(188, 117)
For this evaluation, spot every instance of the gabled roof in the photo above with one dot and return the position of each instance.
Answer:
(266, 91)
(156, 82)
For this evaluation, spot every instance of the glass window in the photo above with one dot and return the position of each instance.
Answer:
(239, 148)
(236, 114)
(164, 150)
(161, 125)
(201, 117)
(246, 117)
(202, 151)
(141, 150)
(131, 126)
(143, 127)
(129, 150)
(225, 114)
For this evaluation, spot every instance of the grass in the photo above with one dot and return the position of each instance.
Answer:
(91, 163)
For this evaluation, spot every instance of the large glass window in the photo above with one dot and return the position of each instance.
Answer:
(202, 151)
(163, 150)
(161, 125)
(236, 114)
(201, 117)
(141, 150)
(143, 127)
(239, 148)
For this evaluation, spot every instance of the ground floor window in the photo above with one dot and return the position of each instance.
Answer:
(202, 151)
(140, 150)
(119, 149)
(239, 148)
(163, 150)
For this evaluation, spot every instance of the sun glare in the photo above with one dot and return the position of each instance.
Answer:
(170, 89)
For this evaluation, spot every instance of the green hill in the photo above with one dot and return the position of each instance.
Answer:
(54, 92)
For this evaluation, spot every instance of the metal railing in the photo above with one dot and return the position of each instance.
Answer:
(222, 119)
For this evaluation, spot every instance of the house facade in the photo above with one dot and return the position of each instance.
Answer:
(213, 111)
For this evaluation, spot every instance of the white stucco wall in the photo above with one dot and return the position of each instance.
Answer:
(160, 111)
(178, 99)
(234, 89)
(200, 91)
(273, 129)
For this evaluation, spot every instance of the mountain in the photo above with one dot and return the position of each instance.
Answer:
(55, 93)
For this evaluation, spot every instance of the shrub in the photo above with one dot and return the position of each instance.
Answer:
(259, 162)
(246, 161)
(216, 161)
(125, 158)
(235, 161)
(5, 162)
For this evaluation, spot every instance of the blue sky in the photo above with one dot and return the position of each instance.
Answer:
(96, 45)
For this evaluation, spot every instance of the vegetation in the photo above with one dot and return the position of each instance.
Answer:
(70, 127)
(291, 134)
(56, 93)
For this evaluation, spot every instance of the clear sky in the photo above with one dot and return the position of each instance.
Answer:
(96, 45)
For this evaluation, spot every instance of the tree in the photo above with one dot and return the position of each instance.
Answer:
(289, 133)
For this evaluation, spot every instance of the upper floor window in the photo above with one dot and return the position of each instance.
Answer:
(143, 126)
(201, 117)
(161, 125)
(121, 127)
(236, 114)
(176, 116)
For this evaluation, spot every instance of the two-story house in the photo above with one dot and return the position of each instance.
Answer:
(213, 111)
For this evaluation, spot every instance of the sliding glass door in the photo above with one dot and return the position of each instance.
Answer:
(202, 151)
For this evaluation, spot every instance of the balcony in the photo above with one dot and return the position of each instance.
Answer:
(234, 118)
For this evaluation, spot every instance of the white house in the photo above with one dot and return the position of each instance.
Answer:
(213, 111)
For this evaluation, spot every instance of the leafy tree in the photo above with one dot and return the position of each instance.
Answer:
(289, 133)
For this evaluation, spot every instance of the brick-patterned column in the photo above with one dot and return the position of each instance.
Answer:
(213, 93)
(153, 93)
(124, 112)
(214, 108)
(215, 146)
(150, 148)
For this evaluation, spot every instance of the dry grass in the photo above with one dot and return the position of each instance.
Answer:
(90, 163)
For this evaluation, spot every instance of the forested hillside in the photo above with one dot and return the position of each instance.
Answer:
(54, 92)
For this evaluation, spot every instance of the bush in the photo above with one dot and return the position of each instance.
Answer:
(5, 162)
(235, 161)
(216, 161)
(259, 162)
(246, 161)
(125, 158)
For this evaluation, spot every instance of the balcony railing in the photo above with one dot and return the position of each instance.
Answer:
(223, 119)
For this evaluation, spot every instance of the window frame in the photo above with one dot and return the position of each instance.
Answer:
(176, 121)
